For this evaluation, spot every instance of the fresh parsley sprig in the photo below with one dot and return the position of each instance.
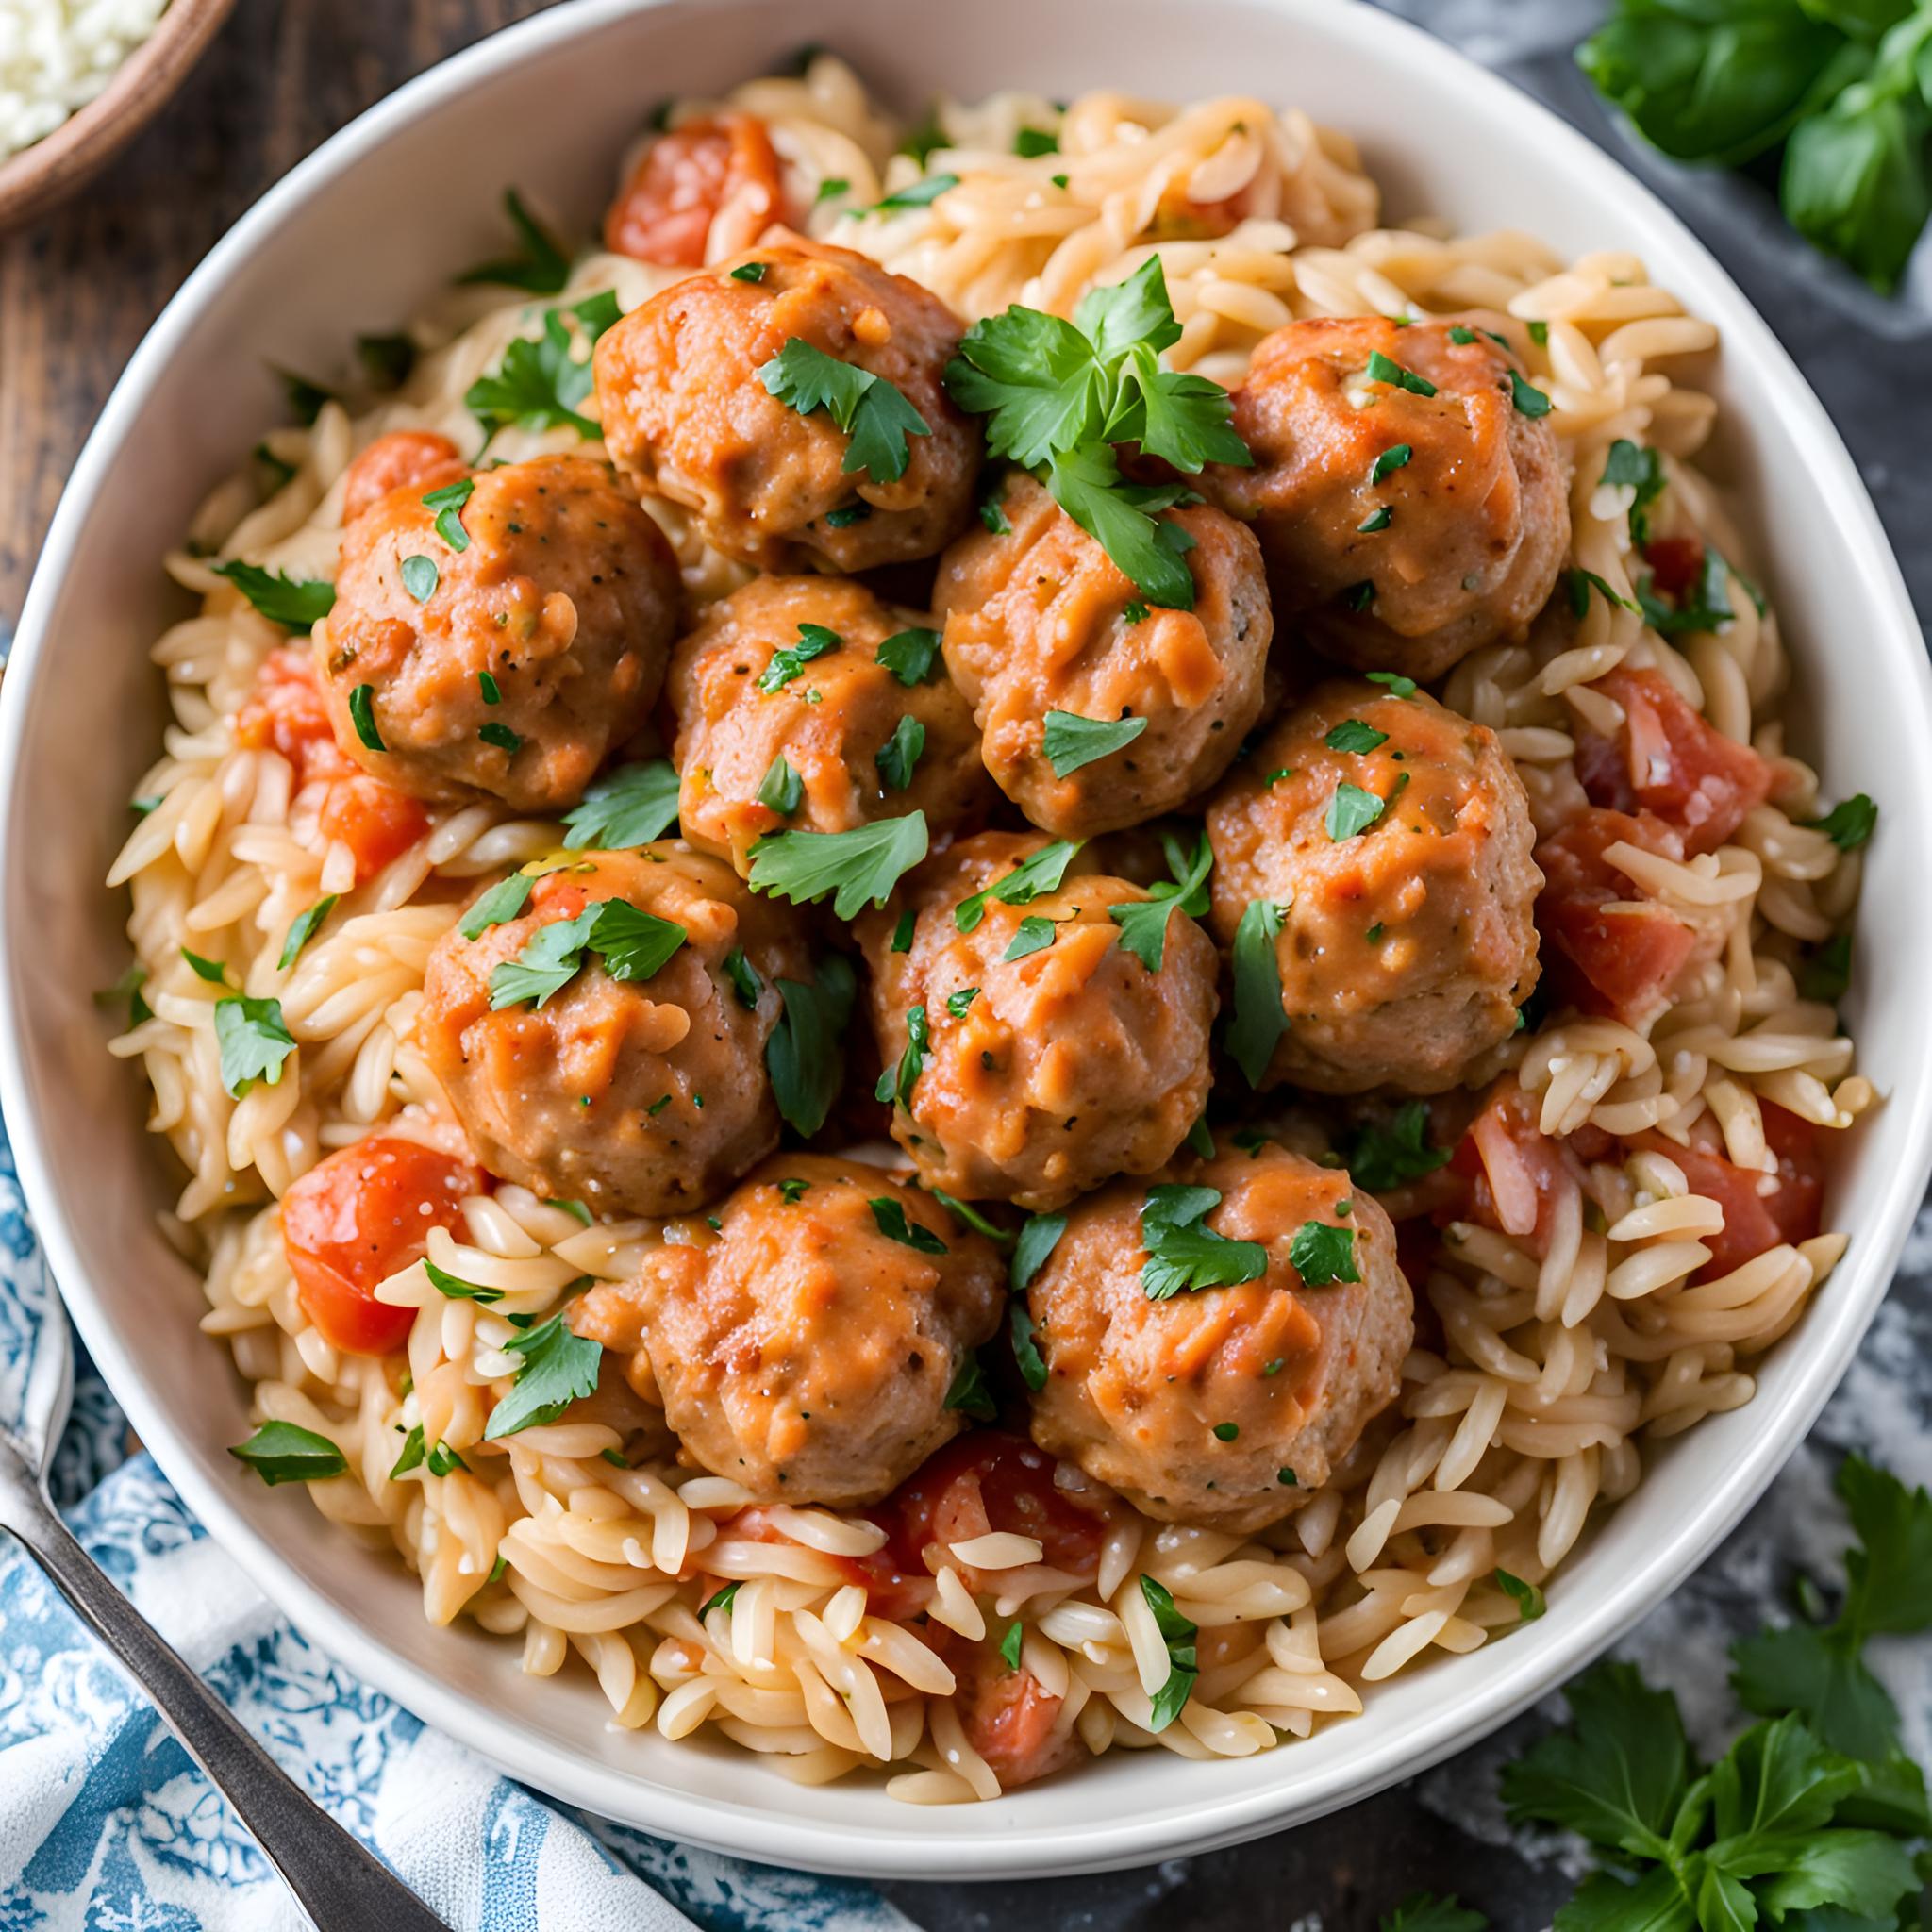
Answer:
(628, 807)
(558, 1367)
(541, 268)
(294, 603)
(805, 1055)
(872, 411)
(632, 943)
(539, 381)
(1183, 1252)
(1144, 923)
(859, 866)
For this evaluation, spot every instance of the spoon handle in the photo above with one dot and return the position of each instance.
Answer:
(339, 1884)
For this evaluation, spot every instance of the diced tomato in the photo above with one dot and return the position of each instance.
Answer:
(665, 212)
(1612, 951)
(398, 457)
(988, 1481)
(1006, 1715)
(284, 713)
(1670, 761)
(1755, 1219)
(1514, 1170)
(1676, 563)
(353, 1220)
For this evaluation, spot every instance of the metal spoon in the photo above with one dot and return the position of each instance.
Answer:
(337, 1881)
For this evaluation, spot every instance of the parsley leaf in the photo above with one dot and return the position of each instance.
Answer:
(255, 1043)
(1391, 460)
(1032, 935)
(1352, 810)
(1185, 1254)
(1382, 1159)
(867, 407)
(539, 383)
(1011, 1642)
(908, 655)
(287, 1453)
(550, 960)
(1381, 369)
(970, 1394)
(502, 902)
(456, 1289)
(1260, 1019)
(1038, 1239)
(543, 267)
(743, 976)
(559, 1367)
(304, 928)
(1073, 740)
(969, 1216)
(1423, 1911)
(627, 808)
(896, 1083)
(1041, 873)
(448, 505)
(1031, 1363)
(294, 603)
(634, 944)
(891, 1218)
(920, 194)
(1120, 517)
(386, 359)
(789, 660)
(1031, 142)
(1178, 1634)
(781, 790)
(1353, 735)
(1642, 470)
(861, 865)
(1321, 1254)
(900, 753)
(1527, 1598)
(803, 1054)
(1143, 923)
(1849, 822)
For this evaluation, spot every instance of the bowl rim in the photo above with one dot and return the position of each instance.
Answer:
(37, 177)
(765, 1832)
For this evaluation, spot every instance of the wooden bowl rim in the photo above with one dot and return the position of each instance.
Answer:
(39, 175)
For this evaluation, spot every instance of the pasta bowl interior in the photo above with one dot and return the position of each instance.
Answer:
(1534, 1428)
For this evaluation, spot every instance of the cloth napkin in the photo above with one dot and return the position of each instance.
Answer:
(106, 1825)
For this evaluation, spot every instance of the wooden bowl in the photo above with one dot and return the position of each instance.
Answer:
(55, 166)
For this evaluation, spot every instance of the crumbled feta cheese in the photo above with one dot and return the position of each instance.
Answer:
(56, 55)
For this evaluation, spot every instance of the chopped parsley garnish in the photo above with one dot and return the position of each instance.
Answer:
(908, 655)
(255, 1042)
(304, 928)
(896, 1083)
(749, 272)
(845, 517)
(1382, 369)
(789, 660)
(867, 407)
(1398, 685)
(1032, 935)
(1391, 460)
(1354, 735)
(1031, 142)
(1183, 1252)
(492, 691)
(1539, 334)
(305, 398)
(1382, 1159)
(1826, 974)
(830, 189)
(792, 1190)
(128, 988)
(419, 577)
(294, 603)
(448, 505)
(1359, 596)
(539, 383)
(859, 866)
(969, 1216)
(1144, 923)
(411, 1457)
(1462, 335)
(559, 1367)
(956, 1003)
(1643, 469)
(1026, 1356)
(1134, 612)
(1848, 824)
(1260, 1019)
(1041, 873)
(627, 808)
(633, 944)
(1037, 1239)
(803, 1055)
(1200, 1140)
(1011, 1642)
(1058, 396)
(920, 194)
(212, 971)
(287, 1453)
(1226, 1432)
(900, 754)
(969, 1394)
(1529, 400)
(781, 790)
(500, 736)
(991, 514)
(1707, 607)
(743, 976)
(890, 1216)
(502, 902)
(543, 268)
(454, 1288)
(1178, 1634)
(1351, 811)
(925, 140)
(1321, 1254)
(718, 1600)
(902, 932)
(1377, 520)
(1580, 582)
(1527, 1598)
(1073, 740)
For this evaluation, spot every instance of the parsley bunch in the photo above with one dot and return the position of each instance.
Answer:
(1058, 396)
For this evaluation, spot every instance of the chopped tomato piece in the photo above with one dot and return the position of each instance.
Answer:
(1613, 952)
(1514, 1170)
(1670, 761)
(398, 457)
(353, 1220)
(1676, 563)
(374, 820)
(665, 212)
(1006, 1715)
(1761, 1211)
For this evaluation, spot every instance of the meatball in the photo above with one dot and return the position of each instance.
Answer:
(1221, 1406)
(399, 459)
(509, 666)
(630, 1091)
(806, 1345)
(827, 738)
(1403, 530)
(1393, 839)
(687, 387)
(1040, 619)
(1054, 1057)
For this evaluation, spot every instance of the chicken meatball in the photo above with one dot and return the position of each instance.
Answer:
(1219, 1405)
(620, 1063)
(1040, 621)
(1392, 839)
(805, 1344)
(697, 407)
(505, 665)
(1045, 1055)
(806, 704)
(1411, 496)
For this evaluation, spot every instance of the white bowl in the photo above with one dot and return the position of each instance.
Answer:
(354, 239)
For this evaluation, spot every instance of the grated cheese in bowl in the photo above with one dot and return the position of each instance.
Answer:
(56, 55)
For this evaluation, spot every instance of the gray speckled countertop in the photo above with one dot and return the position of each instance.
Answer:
(1867, 358)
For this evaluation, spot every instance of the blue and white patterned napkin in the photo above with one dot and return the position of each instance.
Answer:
(106, 1826)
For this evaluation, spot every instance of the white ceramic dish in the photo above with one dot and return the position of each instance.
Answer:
(353, 239)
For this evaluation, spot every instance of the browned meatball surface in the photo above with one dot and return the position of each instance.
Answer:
(1041, 620)
(645, 1093)
(688, 413)
(507, 667)
(807, 1345)
(1395, 838)
(1222, 1407)
(789, 719)
(1450, 547)
(1050, 1072)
